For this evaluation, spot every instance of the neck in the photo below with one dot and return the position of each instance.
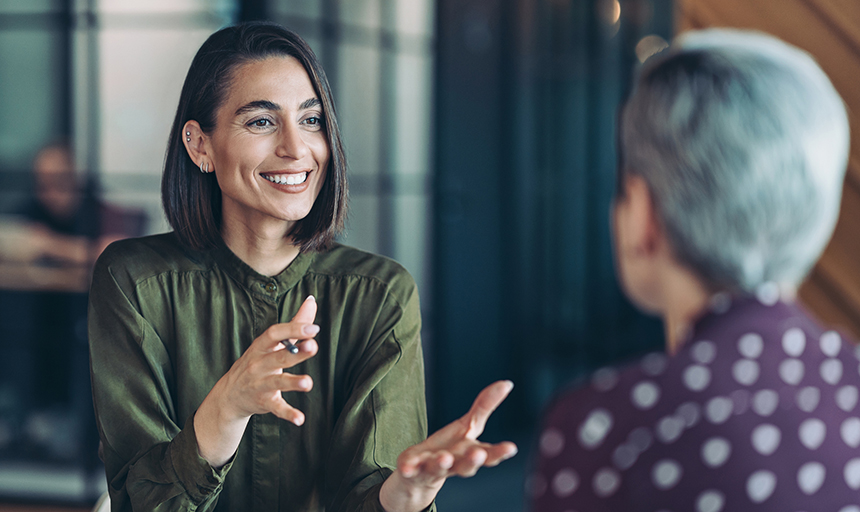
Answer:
(266, 249)
(686, 299)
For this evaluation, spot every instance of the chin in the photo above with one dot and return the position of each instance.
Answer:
(641, 295)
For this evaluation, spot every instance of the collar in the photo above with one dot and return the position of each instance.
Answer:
(253, 281)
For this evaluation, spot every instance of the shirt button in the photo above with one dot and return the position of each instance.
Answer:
(271, 287)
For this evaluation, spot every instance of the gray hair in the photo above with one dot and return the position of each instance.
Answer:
(743, 142)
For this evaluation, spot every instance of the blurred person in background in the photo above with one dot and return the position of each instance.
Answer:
(46, 251)
(192, 333)
(65, 223)
(733, 151)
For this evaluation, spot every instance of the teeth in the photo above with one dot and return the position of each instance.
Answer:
(288, 179)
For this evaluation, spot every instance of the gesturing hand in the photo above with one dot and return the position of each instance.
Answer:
(254, 384)
(453, 450)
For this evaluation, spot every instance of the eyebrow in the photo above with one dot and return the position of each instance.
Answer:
(257, 105)
(310, 103)
(268, 105)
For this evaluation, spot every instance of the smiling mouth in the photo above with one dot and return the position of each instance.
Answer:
(287, 179)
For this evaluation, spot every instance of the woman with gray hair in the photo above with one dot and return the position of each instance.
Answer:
(734, 147)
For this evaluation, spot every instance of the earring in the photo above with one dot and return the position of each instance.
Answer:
(201, 168)
(188, 136)
(204, 167)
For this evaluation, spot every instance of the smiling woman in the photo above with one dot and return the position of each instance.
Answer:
(246, 361)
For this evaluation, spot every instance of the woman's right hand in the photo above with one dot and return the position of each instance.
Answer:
(253, 385)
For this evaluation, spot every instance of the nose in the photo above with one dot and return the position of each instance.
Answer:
(292, 143)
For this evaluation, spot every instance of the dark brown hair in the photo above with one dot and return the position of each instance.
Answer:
(191, 199)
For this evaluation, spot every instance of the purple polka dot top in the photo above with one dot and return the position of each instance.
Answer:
(757, 411)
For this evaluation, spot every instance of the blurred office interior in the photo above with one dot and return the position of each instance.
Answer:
(481, 145)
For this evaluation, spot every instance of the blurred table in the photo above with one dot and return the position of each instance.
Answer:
(35, 277)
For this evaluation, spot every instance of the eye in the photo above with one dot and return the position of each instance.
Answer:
(260, 123)
(315, 122)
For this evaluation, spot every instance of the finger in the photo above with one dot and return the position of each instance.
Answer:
(285, 411)
(470, 462)
(410, 461)
(497, 453)
(274, 335)
(290, 382)
(281, 359)
(307, 311)
(435, 466)
(486, 402)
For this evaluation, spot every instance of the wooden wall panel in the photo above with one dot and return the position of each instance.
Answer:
(830, 31)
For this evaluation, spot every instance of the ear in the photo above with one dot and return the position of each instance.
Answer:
(645, 231)
(197, 145)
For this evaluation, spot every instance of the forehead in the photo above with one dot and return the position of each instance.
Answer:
(282, 80)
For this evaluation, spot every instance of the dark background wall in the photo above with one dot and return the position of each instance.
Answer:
(526, 99)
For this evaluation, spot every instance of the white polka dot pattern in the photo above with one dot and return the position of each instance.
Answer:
(645, 395)
(606, 482)
(765, 402)
(669, 429)
(768, 293)
(593, 431)
(654, 364)
(718, 410)
(641, 438)
(625, 456)
(565, 483)
(766, 438)
(846, 398)
(745, 371)
(716, 451)
(666, 474)
(690, 412)
(604, 379)
(791, 371)
(750, 345)
(776, 407)
(704, 352)
(697, 377)
(760, 485)
(831, 343)
(852, 474)
(710, 501)
(551, 443)
(812, 432)
(808, 398)
(850, 432)
(831, 371)
(794, 342)
(810, 477)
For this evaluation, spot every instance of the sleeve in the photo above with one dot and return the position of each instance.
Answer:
(571, 462)
(385, 410)
(150, 462)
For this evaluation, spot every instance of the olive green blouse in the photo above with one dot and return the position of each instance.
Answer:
(166, 322)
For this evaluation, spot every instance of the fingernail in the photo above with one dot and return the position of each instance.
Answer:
(511, 454)
(510, 384)
(310, 297)
(305, 383)
(299, 421)
(310, 330)
(446, 463)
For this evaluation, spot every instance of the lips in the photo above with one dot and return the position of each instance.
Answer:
(288, 179)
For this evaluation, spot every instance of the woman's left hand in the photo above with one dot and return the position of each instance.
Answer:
(453, 450)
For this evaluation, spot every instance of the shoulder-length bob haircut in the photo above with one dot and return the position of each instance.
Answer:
(191, 199)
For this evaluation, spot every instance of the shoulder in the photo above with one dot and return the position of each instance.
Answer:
(345, 262)
(135, 259)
